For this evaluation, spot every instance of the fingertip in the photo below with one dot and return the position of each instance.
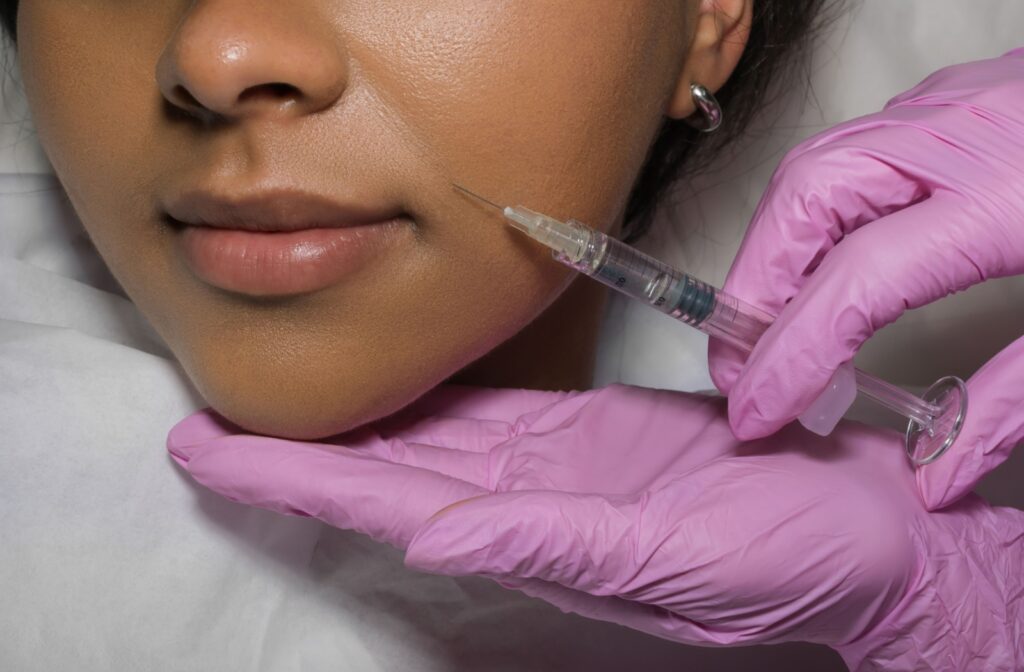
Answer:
(423, 556)
(746, 420)
(748, 428)
(932, 502)
(778, 388)
(933, 496)
(451, 542)
(198, 428)
(451, 507)
(725, 363)
(180, 455)
(952, 475)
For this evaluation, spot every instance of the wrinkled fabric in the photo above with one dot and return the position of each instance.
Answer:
(874, 217)
(640, 507)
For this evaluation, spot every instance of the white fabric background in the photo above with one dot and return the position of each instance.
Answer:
(110, 559)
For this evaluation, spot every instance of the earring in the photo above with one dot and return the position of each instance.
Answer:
(709, 113)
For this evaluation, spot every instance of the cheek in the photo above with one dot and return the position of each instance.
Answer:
(89, 80)
(550, 105)
(90, 84)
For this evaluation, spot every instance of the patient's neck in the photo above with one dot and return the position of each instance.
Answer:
(555, 352)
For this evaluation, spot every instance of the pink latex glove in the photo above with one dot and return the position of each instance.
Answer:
(640, 507)
(873, 217)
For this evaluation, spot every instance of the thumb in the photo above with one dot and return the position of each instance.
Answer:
(725, 363)
(994, 426)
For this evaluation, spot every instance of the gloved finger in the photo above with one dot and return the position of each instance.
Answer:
(464, 465)
(525, 413)
(207, 426)
(581, 444)
(480, 403)
(386, 501)
(198, 428)
(458, 447)
(467, 418)
(464, 434)
(908, 259)
(468, 435)
(817, 196)
(649, 618)
(579, 541)
(993, 428)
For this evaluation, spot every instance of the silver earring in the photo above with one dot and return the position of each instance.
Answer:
(709, 113)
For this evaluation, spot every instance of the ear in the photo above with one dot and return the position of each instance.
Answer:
(719, 38)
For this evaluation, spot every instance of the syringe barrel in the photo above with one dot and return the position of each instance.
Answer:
(736, 322)
(671, 291)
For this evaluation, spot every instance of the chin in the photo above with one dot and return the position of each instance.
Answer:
(304, 414)
(296, 429)
(303, 390)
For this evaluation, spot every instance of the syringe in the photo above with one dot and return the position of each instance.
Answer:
(935, 418)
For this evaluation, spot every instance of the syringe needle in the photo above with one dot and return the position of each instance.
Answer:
(477, 196)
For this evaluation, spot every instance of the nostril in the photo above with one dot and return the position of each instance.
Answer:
(184, 98)
(181, 104)
(272, 91)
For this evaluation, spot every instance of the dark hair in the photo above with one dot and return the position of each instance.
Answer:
(781, 32)
(8, 13)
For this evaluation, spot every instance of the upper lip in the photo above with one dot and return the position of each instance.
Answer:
(272, 210)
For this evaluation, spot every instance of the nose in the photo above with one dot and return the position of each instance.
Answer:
(240, 58)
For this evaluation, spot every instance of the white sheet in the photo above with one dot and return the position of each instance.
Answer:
(111, 560)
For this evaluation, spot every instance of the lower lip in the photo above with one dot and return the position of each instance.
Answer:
(282, 263)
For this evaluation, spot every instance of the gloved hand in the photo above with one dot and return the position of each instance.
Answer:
(640, 507)
(875, 216)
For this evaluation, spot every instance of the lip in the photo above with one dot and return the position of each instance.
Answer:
(276, 243)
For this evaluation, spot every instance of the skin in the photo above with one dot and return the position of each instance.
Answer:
(548, 104)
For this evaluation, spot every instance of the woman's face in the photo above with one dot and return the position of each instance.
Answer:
(163, 116)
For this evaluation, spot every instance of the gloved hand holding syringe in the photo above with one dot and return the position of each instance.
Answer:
(935, 419)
